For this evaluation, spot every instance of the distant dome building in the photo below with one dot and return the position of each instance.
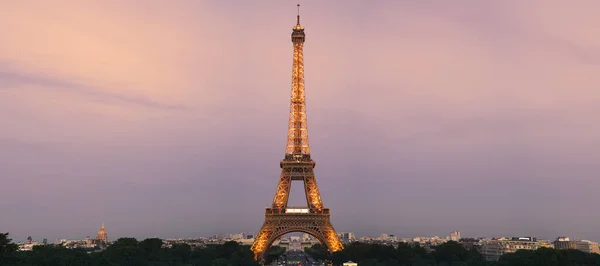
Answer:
(101, 237)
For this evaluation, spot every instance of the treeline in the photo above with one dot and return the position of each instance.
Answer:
(450, 254)
(150, 252)
(131, 252)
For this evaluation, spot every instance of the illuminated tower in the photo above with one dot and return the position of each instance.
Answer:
(297, 165)
(101, 237)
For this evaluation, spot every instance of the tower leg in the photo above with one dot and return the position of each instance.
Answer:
(261, 241)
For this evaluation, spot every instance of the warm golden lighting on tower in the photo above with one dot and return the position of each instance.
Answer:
(297, 141)
(297, 165)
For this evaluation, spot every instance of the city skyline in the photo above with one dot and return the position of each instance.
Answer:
(169, 119)
(346, 237)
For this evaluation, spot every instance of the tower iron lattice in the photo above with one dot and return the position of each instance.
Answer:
(297, 164)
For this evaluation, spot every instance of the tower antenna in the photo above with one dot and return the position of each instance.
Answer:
(298, 17)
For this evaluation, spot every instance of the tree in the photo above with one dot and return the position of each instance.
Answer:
(317, 252)
(130, 252)
(369, 262)
(7, 249)
(450, 252)
(273, 254)
(549, 257)
(57, 255)
(6, 245)
(181, 251)
(220, 262)
(203, 256)
(225, 250)
(151, 245)
(125, 251)
(152, 248)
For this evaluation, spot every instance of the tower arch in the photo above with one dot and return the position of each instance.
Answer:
(314, 233)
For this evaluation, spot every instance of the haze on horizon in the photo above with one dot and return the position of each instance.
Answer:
(162, 118)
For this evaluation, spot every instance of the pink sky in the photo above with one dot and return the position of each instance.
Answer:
(168, 118)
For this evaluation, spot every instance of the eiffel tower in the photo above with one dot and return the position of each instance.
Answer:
(281, 219)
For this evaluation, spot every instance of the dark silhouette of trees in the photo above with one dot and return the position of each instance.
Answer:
(151, 252)
(273, 254)
(549, 257)
(317, 251)
(453, 253)
(49, 255)
(181, 253)
(449, 254)
(7, 249)
(377, 254)
(128, 252)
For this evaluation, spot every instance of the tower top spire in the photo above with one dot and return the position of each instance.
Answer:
(298, 17)
(298, 26)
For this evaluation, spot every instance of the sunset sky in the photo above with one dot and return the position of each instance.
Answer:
(168, 118)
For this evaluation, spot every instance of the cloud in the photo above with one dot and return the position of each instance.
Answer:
(19, 80)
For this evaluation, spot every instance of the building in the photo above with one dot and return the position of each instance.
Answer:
(28, 245)
(245, 241)
(564, 243)
(347, 237)
(455, 236)
(588, 246)
(307, 238)
(88, 241)
(582, 245)
(350, 263)
(101, 237)
(306, 244)
(469, 243)
(493, 249)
